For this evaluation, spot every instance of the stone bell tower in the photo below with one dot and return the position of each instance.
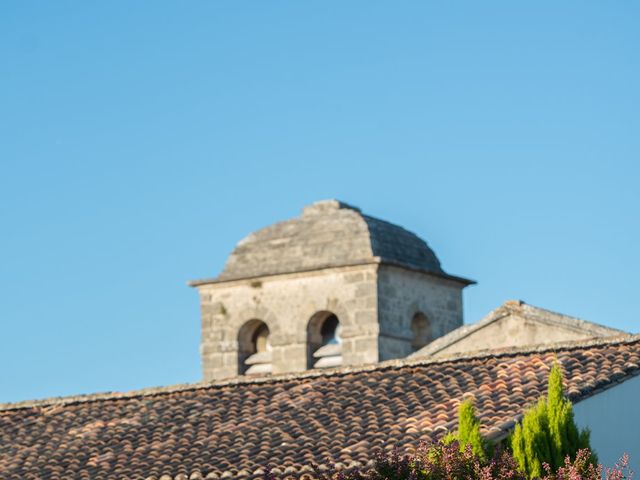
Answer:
(328, 288)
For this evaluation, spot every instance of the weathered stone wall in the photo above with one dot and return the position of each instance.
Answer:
(403, 293)
(375, 304)
(513, 331)
(286, 303)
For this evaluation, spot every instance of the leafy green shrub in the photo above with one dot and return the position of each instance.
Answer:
(469, 430)
(468, 433)
(548, 433)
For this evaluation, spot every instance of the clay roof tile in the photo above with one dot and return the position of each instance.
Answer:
(236, 429)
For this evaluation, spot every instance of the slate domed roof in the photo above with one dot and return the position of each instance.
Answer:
(327, 234)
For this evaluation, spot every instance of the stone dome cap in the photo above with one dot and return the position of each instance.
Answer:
(328, 234)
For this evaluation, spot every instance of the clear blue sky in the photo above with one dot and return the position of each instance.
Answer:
(139, 141)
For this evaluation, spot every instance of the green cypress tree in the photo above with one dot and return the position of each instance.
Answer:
(469, 430)
(548, 432)
(566, 439)
(517, 443)
(562, 429)
(536, 431)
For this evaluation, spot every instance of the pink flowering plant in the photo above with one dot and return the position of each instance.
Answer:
(447, 461)
(582, 468)
(436, 461)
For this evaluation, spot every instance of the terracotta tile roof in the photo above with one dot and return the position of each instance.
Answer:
(233, 429)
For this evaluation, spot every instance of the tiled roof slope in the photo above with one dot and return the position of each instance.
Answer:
(233, 429)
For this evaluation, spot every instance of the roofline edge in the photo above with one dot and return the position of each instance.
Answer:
(337, 371)
(375, 261)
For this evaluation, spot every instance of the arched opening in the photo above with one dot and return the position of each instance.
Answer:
(324, 344)
(421, 329)
(254, 348)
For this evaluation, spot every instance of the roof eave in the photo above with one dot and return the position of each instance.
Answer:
(373, 261)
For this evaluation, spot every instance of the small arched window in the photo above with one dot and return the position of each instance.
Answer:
(421, 329)
(324, 341)
(254, 348)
